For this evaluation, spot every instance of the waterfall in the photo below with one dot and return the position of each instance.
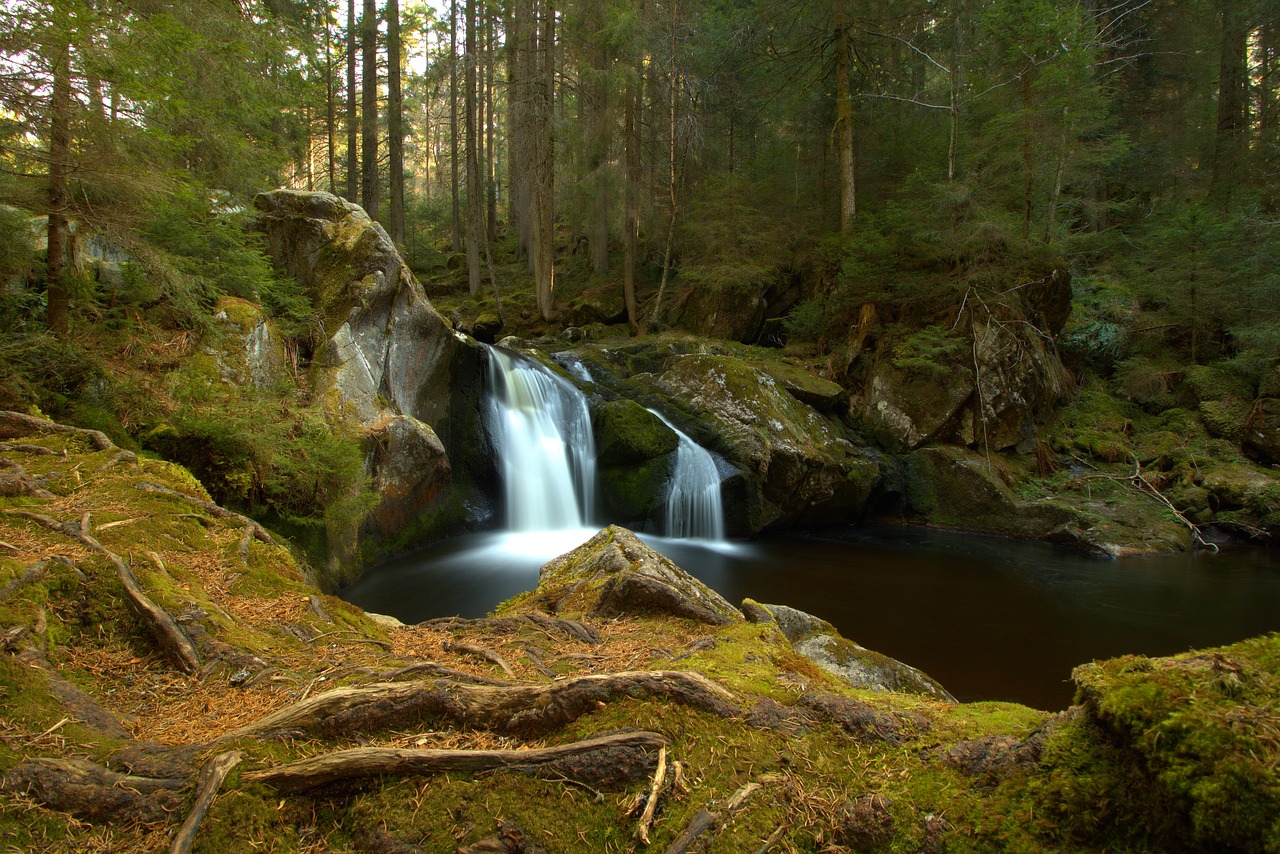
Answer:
(542, 433)
(693, 493)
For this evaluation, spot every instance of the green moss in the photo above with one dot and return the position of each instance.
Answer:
(628, 433)
(930, 352)
(1096, 425)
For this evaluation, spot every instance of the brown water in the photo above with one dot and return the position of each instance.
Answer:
(989, 618)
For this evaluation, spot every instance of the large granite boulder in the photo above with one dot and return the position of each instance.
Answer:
(821, 643)
(615, 574)
(1262, 431)
(801, 464)
(388, 366)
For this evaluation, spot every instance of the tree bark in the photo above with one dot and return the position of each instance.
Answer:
(607, 763)
(474, 199)
(369, 189)
(631, 202)
(331, 104)
(395, 124)
(543, 178)
(454, 188)
(844, 136)
(353, 137)
(58, 292)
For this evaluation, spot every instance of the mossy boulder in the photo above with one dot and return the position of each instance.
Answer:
(1170, 754)
(989, 388)
(823, 395)
(818, 640)
(247, 346)
(1262, 431)
(388, 360)
(628, 433)
(615, 574)
(955, 487)
(801, 464)
(730, 312)
(635, 451)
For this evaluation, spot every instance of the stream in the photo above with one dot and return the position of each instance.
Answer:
(988, 617)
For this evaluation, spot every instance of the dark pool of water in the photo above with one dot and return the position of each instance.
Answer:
(989, 618)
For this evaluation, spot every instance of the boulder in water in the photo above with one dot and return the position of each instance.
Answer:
(801, 464)
(818, 640)
(615, 574)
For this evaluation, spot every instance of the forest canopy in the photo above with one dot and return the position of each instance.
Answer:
(889, 153)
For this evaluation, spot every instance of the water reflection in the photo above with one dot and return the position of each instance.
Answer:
(990, 618)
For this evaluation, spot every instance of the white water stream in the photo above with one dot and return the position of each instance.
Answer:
(694, 509)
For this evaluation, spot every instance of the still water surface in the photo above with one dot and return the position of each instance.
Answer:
(989, 618)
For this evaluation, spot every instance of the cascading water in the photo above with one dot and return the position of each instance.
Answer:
(542, 432)
(693, 493)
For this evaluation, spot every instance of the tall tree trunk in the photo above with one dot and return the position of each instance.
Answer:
(58, 294)
(631, 200)
(1230, 135)
(490, 132)
(844, 136)
(395, 123)
(331, 104)
(543, 179)
(353, 136)
(673, 92)
(599, 128)
(1028, 164)
(454, 189)
(520, 98)
(474, 229)
(369, 190)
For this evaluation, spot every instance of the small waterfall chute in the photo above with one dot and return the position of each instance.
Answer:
(542, 433)
(694, 509)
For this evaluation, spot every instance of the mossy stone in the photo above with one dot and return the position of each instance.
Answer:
(627, 433)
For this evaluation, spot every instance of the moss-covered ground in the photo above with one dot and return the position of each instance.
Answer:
(1159, 755)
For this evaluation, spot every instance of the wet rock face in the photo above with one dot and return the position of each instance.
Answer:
(985, 388)
(635, 454)
(615, 574)
(802, 465)
(389, 365)
(818, 640)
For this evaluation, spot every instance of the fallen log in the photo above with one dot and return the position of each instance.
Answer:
(607, 763)
(528, 711)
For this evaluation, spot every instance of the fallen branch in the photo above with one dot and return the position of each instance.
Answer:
(528, 711)
(1145, 486)
(655, 792)
(171, 639)
(607, 763)
(211, 776)
(706, 820)
(209, 507)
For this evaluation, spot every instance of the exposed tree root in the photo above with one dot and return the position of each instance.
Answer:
(211, 777)
(172, 641)
(259, 532)
(15, 482)
(94, 793)
(707, 820)
(607, 763)
(528, 711)
(81, 706)
(480, 652)
(15, 425)
(438, 671)
(30, 575)
(573, 628)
